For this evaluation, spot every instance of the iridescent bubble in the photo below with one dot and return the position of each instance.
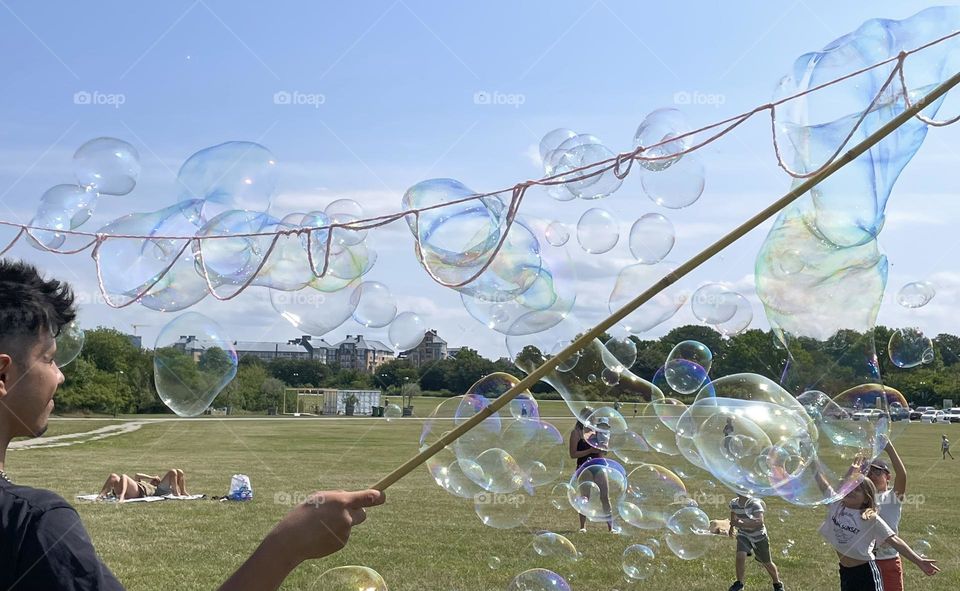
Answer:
(677, 187)
(538, 579)
(406, 331)
(596, 489)
(351, 578)
(792, 262)
(555, 545)
(916, 294)
(624, 351)
(651, 238)
(740, 320)
(580, 151)
(497, 471)
(601, 426)
(375, 306)
(193, 361)
(597, 231)
(687, 366)
(638, 562)
(557, 234)
(659, 127)
(107, 165)
(493, 562)
(713, 303)
(688, 535)
(909, 347)
(313, 311)
(392, 411)
(658, 492)
(659, 432)
(69, 343)
(228, 176)
(344, 211)
(634, 280)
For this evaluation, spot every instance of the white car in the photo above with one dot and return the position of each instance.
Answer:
(934, 416)
(953, 414)
(869, 414)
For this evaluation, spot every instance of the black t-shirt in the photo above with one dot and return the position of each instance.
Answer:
(44, 546)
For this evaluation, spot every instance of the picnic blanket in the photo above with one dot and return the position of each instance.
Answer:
(93, 497)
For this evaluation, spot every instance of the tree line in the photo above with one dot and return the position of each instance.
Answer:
(111, 375)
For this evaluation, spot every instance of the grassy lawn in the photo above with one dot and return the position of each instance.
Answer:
(423, 539)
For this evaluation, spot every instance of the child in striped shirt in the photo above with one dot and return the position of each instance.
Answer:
(746, 514)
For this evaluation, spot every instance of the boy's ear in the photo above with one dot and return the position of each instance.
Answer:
(5, 362)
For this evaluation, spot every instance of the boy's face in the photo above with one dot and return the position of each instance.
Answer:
(28, 382)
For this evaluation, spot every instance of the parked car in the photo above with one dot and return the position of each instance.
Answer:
(953, 415)
(899, 413)
(868, 414)
(934, 416)
(916, 413)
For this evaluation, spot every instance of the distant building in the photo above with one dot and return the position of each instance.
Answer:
(356, 352)
(432, 348)
(320, 350)
(135, 340)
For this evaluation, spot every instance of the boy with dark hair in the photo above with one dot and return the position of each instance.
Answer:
(43, 544)
(746, 518)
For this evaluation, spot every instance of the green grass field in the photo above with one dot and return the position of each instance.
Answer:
(424, 538)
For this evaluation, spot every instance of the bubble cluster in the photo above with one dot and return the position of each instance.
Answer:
(193, 361)
(563, 151)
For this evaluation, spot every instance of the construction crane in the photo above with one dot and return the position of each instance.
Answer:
(136, 326)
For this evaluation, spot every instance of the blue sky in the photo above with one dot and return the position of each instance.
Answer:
(398, 81)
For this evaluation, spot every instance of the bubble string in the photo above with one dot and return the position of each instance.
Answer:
(583, 340)
(518, 191)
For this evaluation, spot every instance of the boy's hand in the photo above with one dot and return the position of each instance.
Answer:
(928, 566)
(321, 525)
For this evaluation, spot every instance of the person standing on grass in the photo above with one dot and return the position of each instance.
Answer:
(853, 527)
(746, 515)
(945, 447)
(889, 501)
(43, 544)
(583, 452)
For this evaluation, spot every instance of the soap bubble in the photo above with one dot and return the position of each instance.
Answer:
(193, 361)
(740, 320)
(634, 280)
(658, 493)
(313, 311)
(107, 165)
(679, 186)
(596, 489)
(559, 496)
(916, 294)
(687, 366)
(651, 238)
(392, 411)
(344, 211)
(231, 175)
(713, 303)
(69, 343)
(75, 203)
(375, 306)
(624, 351)
(538, 579)
(552, 140)
(555, 545)
(689, 535)
(638, 562)
(351, 578)
(557, 234)
(493, 562)
(49, 237)
(660, 126)
(922, 548)
(503, 511)
(597, 231)
(909, 347)
(406, 331)
(602, 425)
(577, 152)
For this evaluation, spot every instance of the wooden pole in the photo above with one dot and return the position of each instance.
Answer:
(694, 262)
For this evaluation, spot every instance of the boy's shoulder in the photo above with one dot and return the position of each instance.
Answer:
(34, 500)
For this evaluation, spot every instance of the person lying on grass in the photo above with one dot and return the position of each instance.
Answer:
(122, 487)
(43, 544)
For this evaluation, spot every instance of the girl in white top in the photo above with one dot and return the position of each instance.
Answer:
(853, 528)
(889, 502)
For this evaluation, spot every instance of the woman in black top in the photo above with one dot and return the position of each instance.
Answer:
(583, 452)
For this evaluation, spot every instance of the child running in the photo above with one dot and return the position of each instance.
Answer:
(945, 447)
(746, 514)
